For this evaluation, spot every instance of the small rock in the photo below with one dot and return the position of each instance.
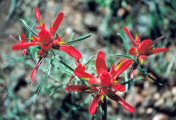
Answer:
(147, 85)
(69, 30)
(159, 102)
(91, 20)
(121, 12)
(148, 101)
(119, 118)
(160, 117)
(169, 103)
(156, 96)
(167, 94)
(141, 110)
(39, 117)
(149, 111)
(174, 91)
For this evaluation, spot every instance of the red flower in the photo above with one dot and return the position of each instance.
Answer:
(143, 49)
(103, 85)
(47, 40)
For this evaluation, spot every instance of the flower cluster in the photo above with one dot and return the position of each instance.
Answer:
(143, 49)
(47, 40)
(105, 83)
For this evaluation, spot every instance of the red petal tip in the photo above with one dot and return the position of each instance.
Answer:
(101, 63)
(94, 104)
(57, 22)
(129, 35)
(159, 50)
(37, 14)
(126, 29)
(71, 51)
(119, 87)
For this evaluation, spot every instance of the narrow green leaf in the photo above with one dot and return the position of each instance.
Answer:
(72, 36)
(89, 60)
(46, 76)
(44, 80)
(127, 47)
(126, 56)
(31, 100)
(149, 76)
(130, 81)
(65, 64)
(56, 88)
(13, 5)
(83, 37)
(29, 28)
(14, 60)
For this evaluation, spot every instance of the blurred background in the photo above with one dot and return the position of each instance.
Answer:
(104, 19)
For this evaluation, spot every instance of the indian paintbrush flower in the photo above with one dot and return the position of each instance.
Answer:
(105, 84)
(143, 49)
(47, 40)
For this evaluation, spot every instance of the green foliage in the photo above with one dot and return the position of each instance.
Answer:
(104, 3)
(83, 37)
(28, 27)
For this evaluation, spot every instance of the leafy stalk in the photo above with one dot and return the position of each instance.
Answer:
(89, 60)
(83, 37)
(104, 108)
(46, 76)
(125, 56)
(149, 76)
(28, 27)
(65, 64)
(127, 47)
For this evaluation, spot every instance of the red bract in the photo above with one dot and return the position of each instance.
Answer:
(105, 84)
(143, 49)
(47, 40)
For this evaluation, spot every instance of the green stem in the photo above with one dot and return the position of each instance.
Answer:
(120, 55)
(126, 82)
(104, 108)
(70, 68)
(149, 76)
(65, 64)
(78, 39)
(89, 60)
(46, 76)
(29, 28)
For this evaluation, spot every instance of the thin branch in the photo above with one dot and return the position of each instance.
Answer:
(104, 108)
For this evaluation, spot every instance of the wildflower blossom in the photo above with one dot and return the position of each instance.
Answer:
(143, 49)
(106, 84)
(47, 40)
